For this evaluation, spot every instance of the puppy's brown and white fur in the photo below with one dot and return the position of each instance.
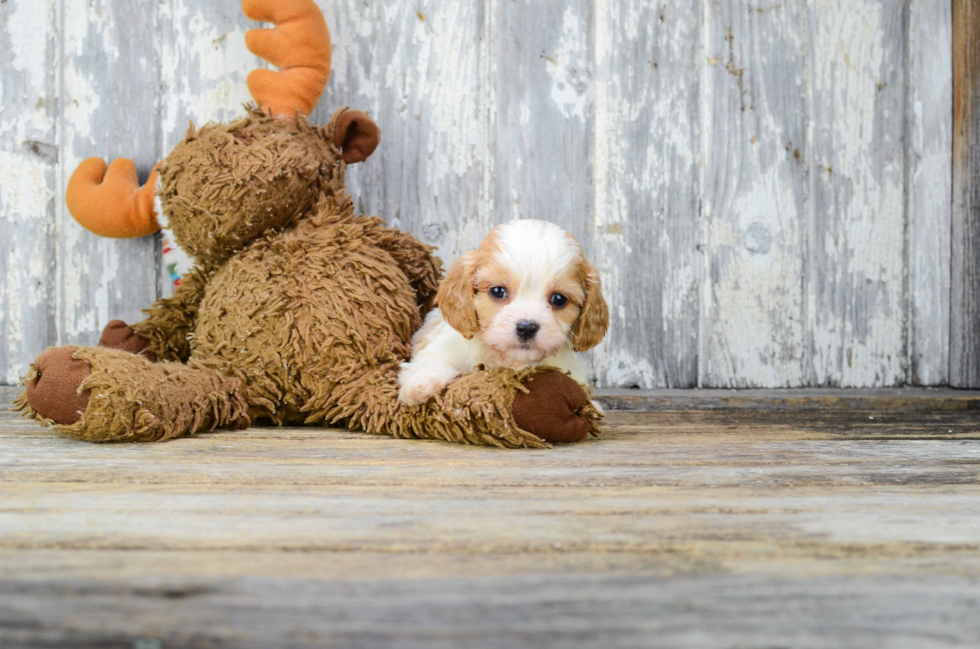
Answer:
(525, 296)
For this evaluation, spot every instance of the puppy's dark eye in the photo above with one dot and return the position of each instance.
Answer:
(558, 300)
(498, 292)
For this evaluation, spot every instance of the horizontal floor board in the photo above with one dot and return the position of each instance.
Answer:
(524, 611)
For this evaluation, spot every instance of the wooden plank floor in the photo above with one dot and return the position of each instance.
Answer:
(734, 527)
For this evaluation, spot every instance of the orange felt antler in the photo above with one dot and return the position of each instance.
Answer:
(111, 202)
(299, 46)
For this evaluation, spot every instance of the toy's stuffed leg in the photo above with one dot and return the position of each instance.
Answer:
(101, 395)
(497, 407)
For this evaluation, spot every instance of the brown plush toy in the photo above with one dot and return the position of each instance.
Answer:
(297, 311)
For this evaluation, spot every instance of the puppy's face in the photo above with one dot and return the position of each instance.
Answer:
(529, 291)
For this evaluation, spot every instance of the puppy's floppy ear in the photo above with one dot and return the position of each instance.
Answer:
(593, 321)
(455, 297)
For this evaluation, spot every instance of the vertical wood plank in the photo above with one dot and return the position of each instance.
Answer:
(964, 355)
(419, 70)
(753, 196)
(929, 183)
(28, 182)
(544, 57)
(109, 83)
(646, 200)
(857, 234)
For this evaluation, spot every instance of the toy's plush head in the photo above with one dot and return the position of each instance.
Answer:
(226, 184)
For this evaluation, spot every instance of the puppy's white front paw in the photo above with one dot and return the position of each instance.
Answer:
(420, 384)
(419, 392)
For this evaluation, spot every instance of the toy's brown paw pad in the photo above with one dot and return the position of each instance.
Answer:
(549, 408)
(53, 390)
(119, 335)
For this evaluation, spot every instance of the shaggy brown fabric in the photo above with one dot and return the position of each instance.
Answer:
(298, 311)
(226, 184)
(119, 335)
(53, 385)
(350, 306)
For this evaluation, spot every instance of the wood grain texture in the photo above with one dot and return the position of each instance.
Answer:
(753, 195)
(533, 611)
(728, 260)
(29, 193)
(964, 355)
(856, 245)
(646, 192)
(543, 78)
(680, 528)
(929, 178)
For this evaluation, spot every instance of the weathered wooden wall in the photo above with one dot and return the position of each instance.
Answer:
(765, 187)
(965, 277)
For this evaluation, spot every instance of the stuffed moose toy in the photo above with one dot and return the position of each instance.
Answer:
(297, 311)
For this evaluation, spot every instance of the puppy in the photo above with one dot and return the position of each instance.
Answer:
(525, 296)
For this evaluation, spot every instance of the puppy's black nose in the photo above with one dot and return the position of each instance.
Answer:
(527, 329)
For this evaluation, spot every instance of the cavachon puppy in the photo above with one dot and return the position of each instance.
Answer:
(525, 297)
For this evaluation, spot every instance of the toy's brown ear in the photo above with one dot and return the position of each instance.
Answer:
(356, 134)
(593, 322)
(455, 297)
